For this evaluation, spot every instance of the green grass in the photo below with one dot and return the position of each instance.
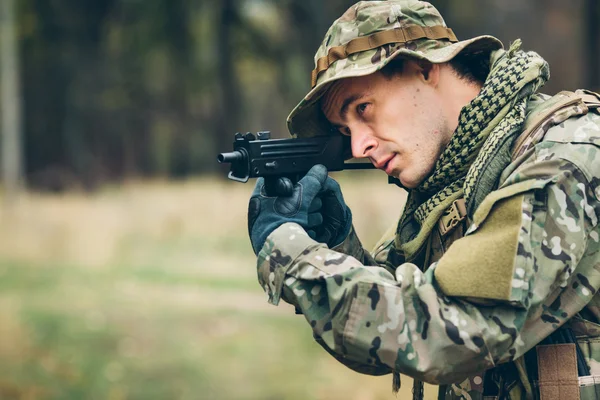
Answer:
(85, 334)
(136, 295)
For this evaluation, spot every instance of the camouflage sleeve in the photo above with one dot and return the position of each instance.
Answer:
(375, 321)
(352, 246)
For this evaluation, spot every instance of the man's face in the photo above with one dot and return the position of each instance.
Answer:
(397, 122)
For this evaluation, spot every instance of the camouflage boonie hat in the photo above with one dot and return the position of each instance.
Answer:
(368, 36)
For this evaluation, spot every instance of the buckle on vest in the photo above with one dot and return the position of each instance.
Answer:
(452, 216)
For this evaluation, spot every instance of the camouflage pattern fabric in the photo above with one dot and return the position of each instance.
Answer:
(376, 319)
(479, 148)
(378, 314)
(366, 18)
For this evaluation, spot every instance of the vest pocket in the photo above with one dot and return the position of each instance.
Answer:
(589, 387)
(588, 338)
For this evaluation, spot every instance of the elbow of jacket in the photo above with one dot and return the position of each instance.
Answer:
(448, 370)
(444, 376)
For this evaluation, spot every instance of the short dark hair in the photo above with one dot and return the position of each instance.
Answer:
(472, 67)
(393, 68)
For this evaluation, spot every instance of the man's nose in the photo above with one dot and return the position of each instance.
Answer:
(362, 142)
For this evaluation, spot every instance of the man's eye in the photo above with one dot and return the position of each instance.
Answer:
(361, 108)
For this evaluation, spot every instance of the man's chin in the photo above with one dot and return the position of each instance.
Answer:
(409, 185)
(407, 181)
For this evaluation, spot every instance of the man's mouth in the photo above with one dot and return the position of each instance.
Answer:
(385, 164)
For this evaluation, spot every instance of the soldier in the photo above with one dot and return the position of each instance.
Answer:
(488, 284)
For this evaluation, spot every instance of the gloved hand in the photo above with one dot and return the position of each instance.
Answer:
(336, 216)
(265, 214)
(316, 204)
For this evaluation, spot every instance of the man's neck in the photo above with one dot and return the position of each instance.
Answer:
(457, 92)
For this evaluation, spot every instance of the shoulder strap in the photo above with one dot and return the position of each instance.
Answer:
(591, 99)
(564, 105)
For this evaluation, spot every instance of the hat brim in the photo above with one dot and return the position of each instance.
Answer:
(307, 120)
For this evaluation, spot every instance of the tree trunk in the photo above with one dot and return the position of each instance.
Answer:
(592, 49)
(229, 110)
(11, 102)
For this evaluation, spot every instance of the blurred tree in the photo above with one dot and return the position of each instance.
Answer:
(61, 68)
(11, 103)
(126, 88)
(592, 35)
(229, 109)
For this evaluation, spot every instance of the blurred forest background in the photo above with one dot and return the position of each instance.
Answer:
(115, 89)
(125, 267)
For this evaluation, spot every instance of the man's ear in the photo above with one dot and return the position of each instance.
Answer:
(429, 72)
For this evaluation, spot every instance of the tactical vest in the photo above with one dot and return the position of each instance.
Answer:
(558, 368)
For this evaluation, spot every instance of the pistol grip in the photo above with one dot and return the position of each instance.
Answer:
(278, 186)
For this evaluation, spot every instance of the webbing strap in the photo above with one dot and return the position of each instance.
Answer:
(378, 39)
(591, 99)
(563, 100)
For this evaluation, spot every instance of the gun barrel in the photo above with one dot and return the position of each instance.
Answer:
(230, 157)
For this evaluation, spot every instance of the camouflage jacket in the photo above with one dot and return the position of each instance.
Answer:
(529, 262)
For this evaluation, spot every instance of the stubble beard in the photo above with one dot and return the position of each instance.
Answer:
(439, 139)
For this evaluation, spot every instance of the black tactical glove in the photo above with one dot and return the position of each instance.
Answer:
(336, 216)
(265, 214)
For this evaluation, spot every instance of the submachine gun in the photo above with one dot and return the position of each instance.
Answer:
(283, 162)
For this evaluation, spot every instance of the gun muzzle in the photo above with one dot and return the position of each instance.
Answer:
(230, 157)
